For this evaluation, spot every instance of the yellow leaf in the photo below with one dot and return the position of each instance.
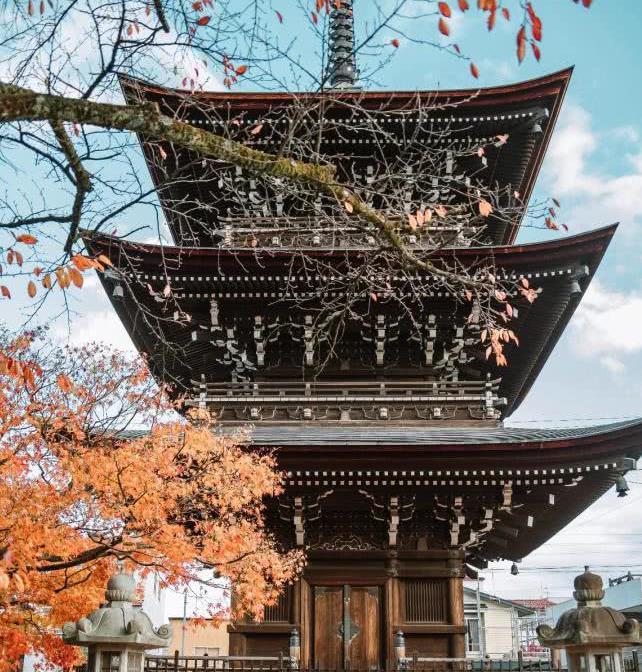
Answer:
(348, 206)
(31, 288)
(64, 383)
(62, 277)
(440, 211)
(485, 208)
(76, 277)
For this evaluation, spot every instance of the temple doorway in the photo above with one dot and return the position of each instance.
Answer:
(347, 627)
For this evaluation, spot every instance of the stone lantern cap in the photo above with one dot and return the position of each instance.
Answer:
(590, 622)
(118, 621)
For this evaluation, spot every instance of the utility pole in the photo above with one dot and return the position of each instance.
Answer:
(480, 627)
(184, 622)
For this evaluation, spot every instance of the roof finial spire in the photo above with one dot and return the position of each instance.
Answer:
(342, 64)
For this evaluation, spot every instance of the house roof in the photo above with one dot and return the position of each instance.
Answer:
(521, 609)
(538, 605)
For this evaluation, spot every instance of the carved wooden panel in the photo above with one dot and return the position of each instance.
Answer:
(266, 644)
(425, 600)
(328, 627)
(365, 635)
(281, 612)
(428, 645)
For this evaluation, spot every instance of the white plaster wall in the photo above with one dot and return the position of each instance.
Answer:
(499, 631)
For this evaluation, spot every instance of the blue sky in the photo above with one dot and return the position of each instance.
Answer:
(594, 166)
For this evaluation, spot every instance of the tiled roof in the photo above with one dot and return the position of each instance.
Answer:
(409, 435)
(539, 604)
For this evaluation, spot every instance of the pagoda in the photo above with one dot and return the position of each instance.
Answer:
(400, 476)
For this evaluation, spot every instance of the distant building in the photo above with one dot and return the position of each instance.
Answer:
(492, 625)
(194, 639)
(529, 643)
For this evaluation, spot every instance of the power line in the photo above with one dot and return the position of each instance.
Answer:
(613, 417)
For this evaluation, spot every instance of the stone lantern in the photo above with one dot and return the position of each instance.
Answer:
(117, 633)
(593, 636)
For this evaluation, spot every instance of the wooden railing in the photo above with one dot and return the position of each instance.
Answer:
(415, 663)
(178, 663)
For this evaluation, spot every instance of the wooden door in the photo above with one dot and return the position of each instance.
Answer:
(347, 628)
(363, 644)
(328, 627)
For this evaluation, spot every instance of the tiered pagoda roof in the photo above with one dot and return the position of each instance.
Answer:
(442, 375)
(445, 120)
(399, 432)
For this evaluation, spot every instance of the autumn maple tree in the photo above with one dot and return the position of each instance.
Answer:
(65, 130)
(77, 493)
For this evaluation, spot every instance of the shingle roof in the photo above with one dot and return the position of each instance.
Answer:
(409, 435)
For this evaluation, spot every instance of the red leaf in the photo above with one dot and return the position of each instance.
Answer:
(30, 8)
(521, 44)
(491, 20)
(444, 28)
(474, 71)
(315, 18)
(463, 5)
(5, 292)
(31, 289)
(27, 239)
(536, 23)
(444, 8)
(241, 70)
(197, 6)
(506, 13)
(42, 6)
(587, 3)
(536, 51)
(279, 16)
(395, 43)
(203, 21)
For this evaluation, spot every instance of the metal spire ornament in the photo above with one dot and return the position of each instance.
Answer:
(342, 64)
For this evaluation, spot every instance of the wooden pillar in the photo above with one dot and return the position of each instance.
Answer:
(392, 616)
(456, 616)
(306, 622)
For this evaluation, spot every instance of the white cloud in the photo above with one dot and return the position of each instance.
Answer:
(574, 171)
(608, 326)
(99, 326)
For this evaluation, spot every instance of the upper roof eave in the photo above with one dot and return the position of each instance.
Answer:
(564, 248)
(554, 84)
(550, 88)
